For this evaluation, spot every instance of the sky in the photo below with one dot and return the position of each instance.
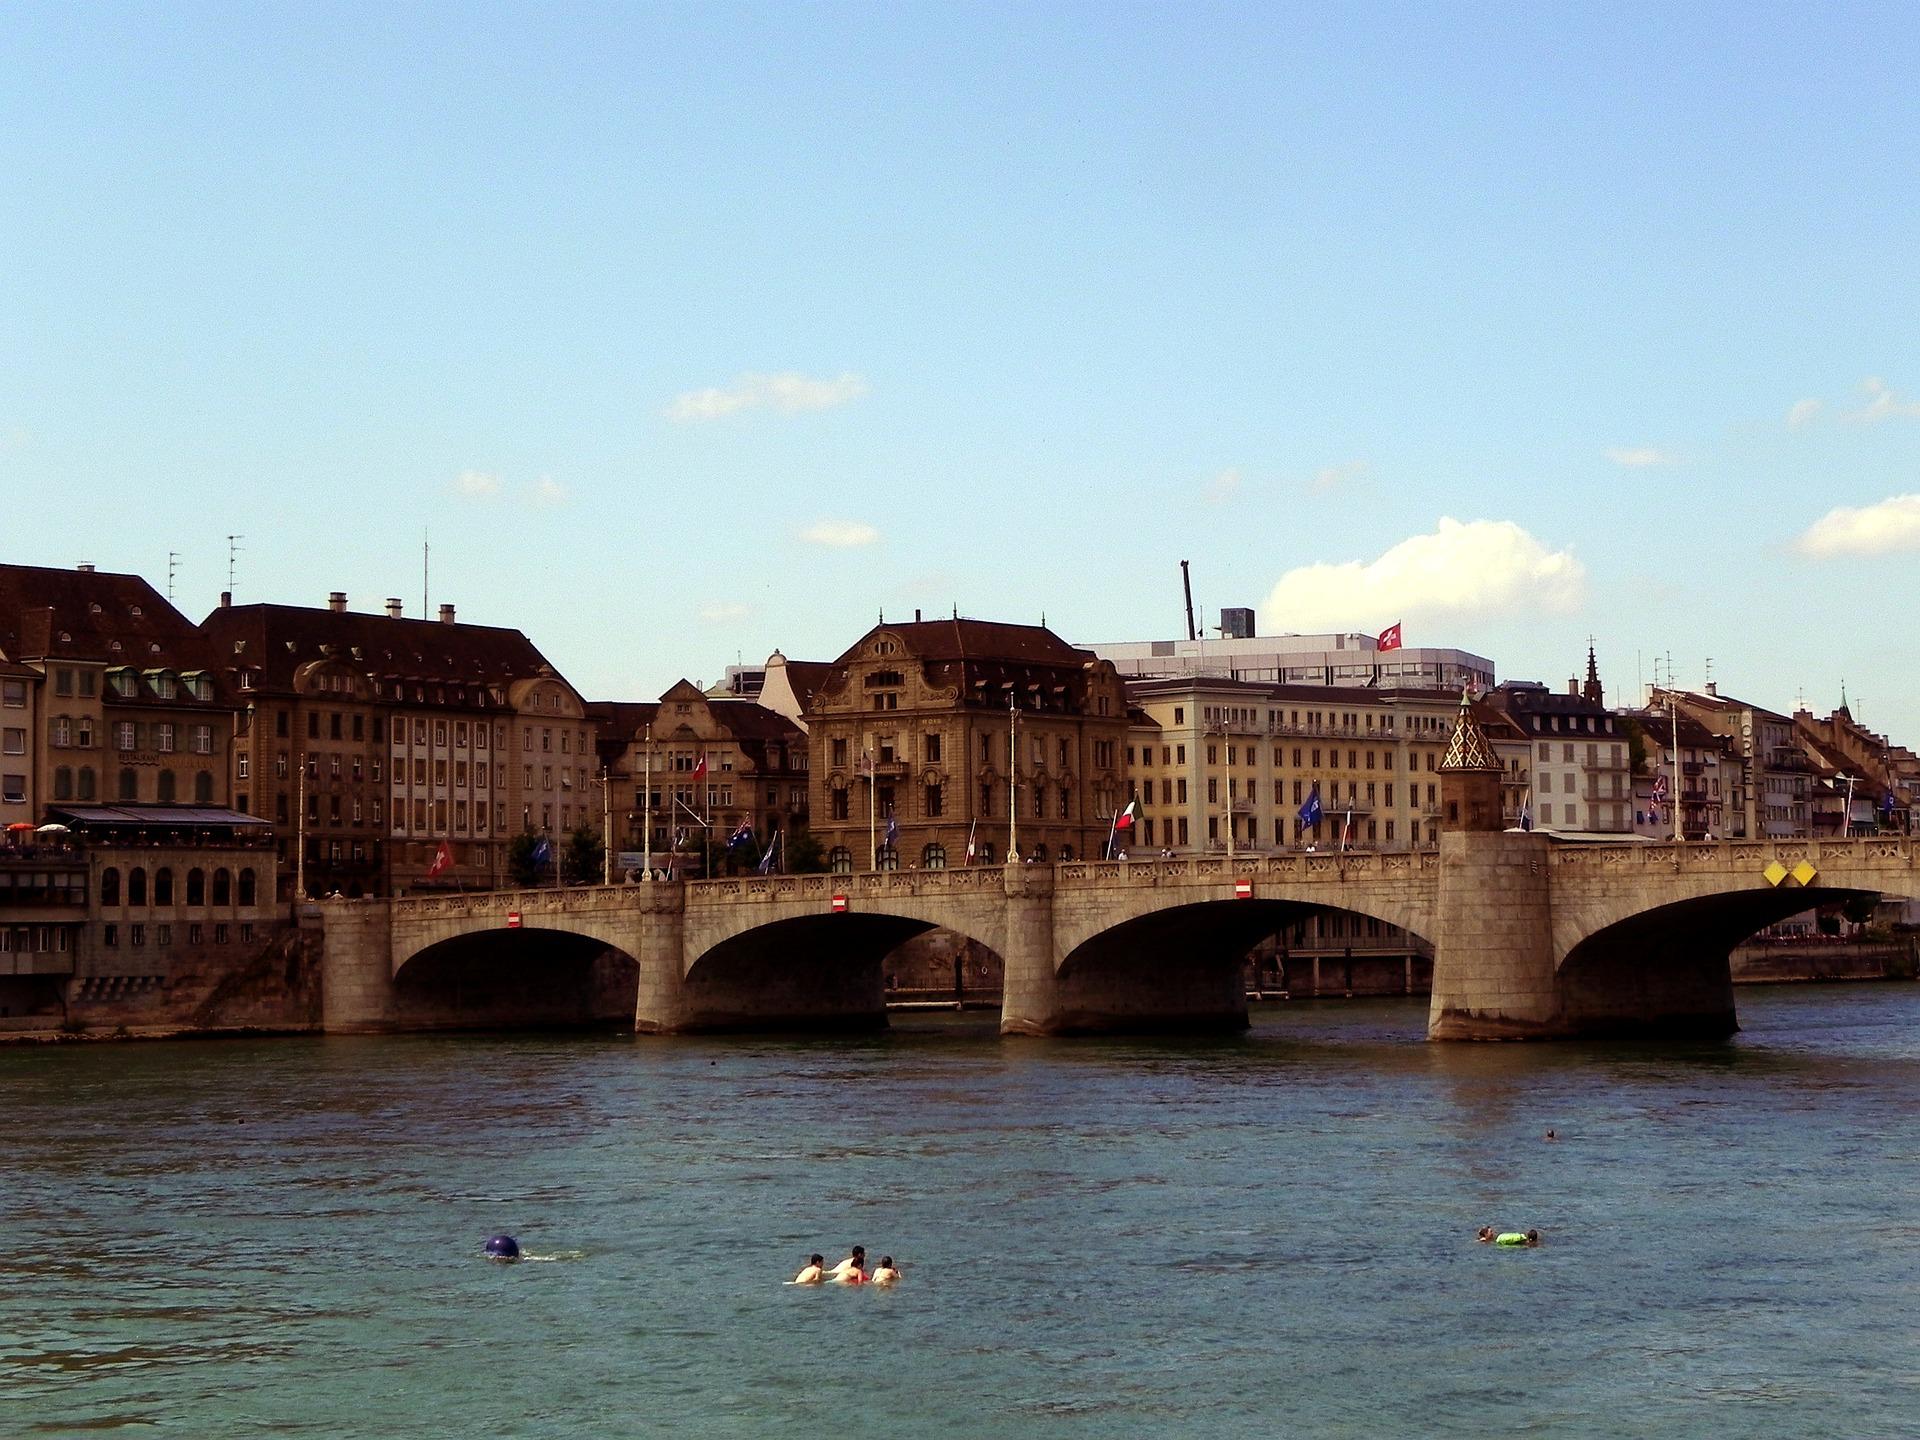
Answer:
(688, 332)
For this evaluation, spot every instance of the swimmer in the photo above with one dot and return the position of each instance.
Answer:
(810, 1273)
(885, 1274)
(852, 1270)
(1485, 1237)
(1552, 1136)
(1514, 1238)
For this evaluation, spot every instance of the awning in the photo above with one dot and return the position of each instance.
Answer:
(148, 815)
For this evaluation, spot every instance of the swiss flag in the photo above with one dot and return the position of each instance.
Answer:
(1124, 820)
(701, 768)
(442, 860)
(1389, 637)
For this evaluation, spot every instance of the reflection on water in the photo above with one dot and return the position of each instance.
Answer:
(1245, 1236)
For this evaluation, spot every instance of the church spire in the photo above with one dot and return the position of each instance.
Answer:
(1592, 691)
(1468, 749)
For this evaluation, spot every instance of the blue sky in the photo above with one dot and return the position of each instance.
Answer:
(693, 331)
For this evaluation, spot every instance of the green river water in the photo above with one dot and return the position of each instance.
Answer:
(1264, 1236)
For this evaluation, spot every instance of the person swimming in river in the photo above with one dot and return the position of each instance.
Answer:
(1485, 1237)
(810, 1273)
(884, 1273)
(850, 1271)
(1527, 1238)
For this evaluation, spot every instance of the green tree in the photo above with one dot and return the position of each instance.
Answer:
(522, 868)
(583, 858)
(800, 854)
(1636, 744)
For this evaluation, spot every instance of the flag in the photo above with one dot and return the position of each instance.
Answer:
(701, 768)
(1659, 789)
(542, 851)
(1389, 638)
(765, 866)
(1310, 812)
(1346, 830)
(893, 832)
(1886, 803)
(742, 836)
(1124, 820)
(442, 860)
(1526, 817)
(970, 825)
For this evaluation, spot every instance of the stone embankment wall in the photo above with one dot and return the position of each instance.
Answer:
(1826, 959)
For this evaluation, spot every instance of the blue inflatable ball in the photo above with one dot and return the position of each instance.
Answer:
(503, 1247)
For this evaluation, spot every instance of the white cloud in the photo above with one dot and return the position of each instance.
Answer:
(1893, 524)
(1480, 567)
(718, 612)
(788, 392)
(1223, 487)
(1803, 412)
(1638, 457)
(1333, 476)
(840, 534)
(548, 491)
(477, 485)
(1883, 404)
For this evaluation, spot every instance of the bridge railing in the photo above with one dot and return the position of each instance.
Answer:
(1880, 850)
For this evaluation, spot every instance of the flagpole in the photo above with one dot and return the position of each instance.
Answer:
(873, 843)
(1013, 784)
(646, 805)
(606, 824)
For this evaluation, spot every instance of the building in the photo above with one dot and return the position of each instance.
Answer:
(755, 774)
(1848, 747)
(1773, 774)
(1218, 763)
(1343, 661)
(108, 693)
(372, 741)
(1580, 774)
(1707, 789)
(928, 736)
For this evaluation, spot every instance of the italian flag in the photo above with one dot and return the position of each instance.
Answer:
(1124, 820)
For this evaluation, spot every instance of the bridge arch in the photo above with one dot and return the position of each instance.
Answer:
(542, 977)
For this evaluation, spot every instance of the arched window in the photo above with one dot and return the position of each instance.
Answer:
(129, 784)
(1039, 855)
(196, 886)
(63, 782)
(110, 885)
(934, 857)
(136, 886)
(163, 886)
(889, 857)
(222, 887)
(86, 782)
(246, 886)
(840, 860)
(203, 788)
(168, 791)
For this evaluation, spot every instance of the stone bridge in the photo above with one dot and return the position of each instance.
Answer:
(1532, 938)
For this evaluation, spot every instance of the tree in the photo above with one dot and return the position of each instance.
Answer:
(583, 858)
(522, 868)
(1636, 744)
(801, 854)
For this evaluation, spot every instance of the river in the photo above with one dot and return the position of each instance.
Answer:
(1269, 1235)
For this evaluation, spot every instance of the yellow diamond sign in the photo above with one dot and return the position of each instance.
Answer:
(1775, 872)
(1804, 872)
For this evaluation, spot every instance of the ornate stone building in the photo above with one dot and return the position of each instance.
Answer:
(927, 734)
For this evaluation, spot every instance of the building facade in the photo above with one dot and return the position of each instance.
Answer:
(1580, 777)
(929, 736)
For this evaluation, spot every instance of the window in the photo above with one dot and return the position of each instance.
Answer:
(110, 936)
(933, 857)
(203, 739)
(222, 886)
(123, 736)
(163, 737)
(933, 753)
(163, 886)
(247, 887)
(129, 783)
(838, 805)
(934, 802)
(165, 791)
(86, 784)
(888, 858)
(840, 859)
(62, 782)
(13, 789)
(13, 741)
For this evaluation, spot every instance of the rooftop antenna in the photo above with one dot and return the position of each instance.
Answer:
(1709, 674)
(426, 558)
(233, 550)
(1186, 584)
(173, 568)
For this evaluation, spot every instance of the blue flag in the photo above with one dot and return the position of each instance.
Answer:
(542, 852)
(766, 860)
(1886, 803)
(893, 831)
(1310, 812)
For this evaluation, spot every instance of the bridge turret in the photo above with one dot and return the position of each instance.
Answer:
(1470, 777)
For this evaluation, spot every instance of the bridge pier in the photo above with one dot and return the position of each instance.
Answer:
(356, 967)
(1493, 969)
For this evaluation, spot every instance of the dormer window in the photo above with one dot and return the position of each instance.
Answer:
(134, 610)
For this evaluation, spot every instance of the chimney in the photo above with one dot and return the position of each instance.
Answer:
(446, 614)
(916, 616)
(1713, 687)
(337, 601)
(226, 599)
(86, 567)
(393, 606)
(1573, 686)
